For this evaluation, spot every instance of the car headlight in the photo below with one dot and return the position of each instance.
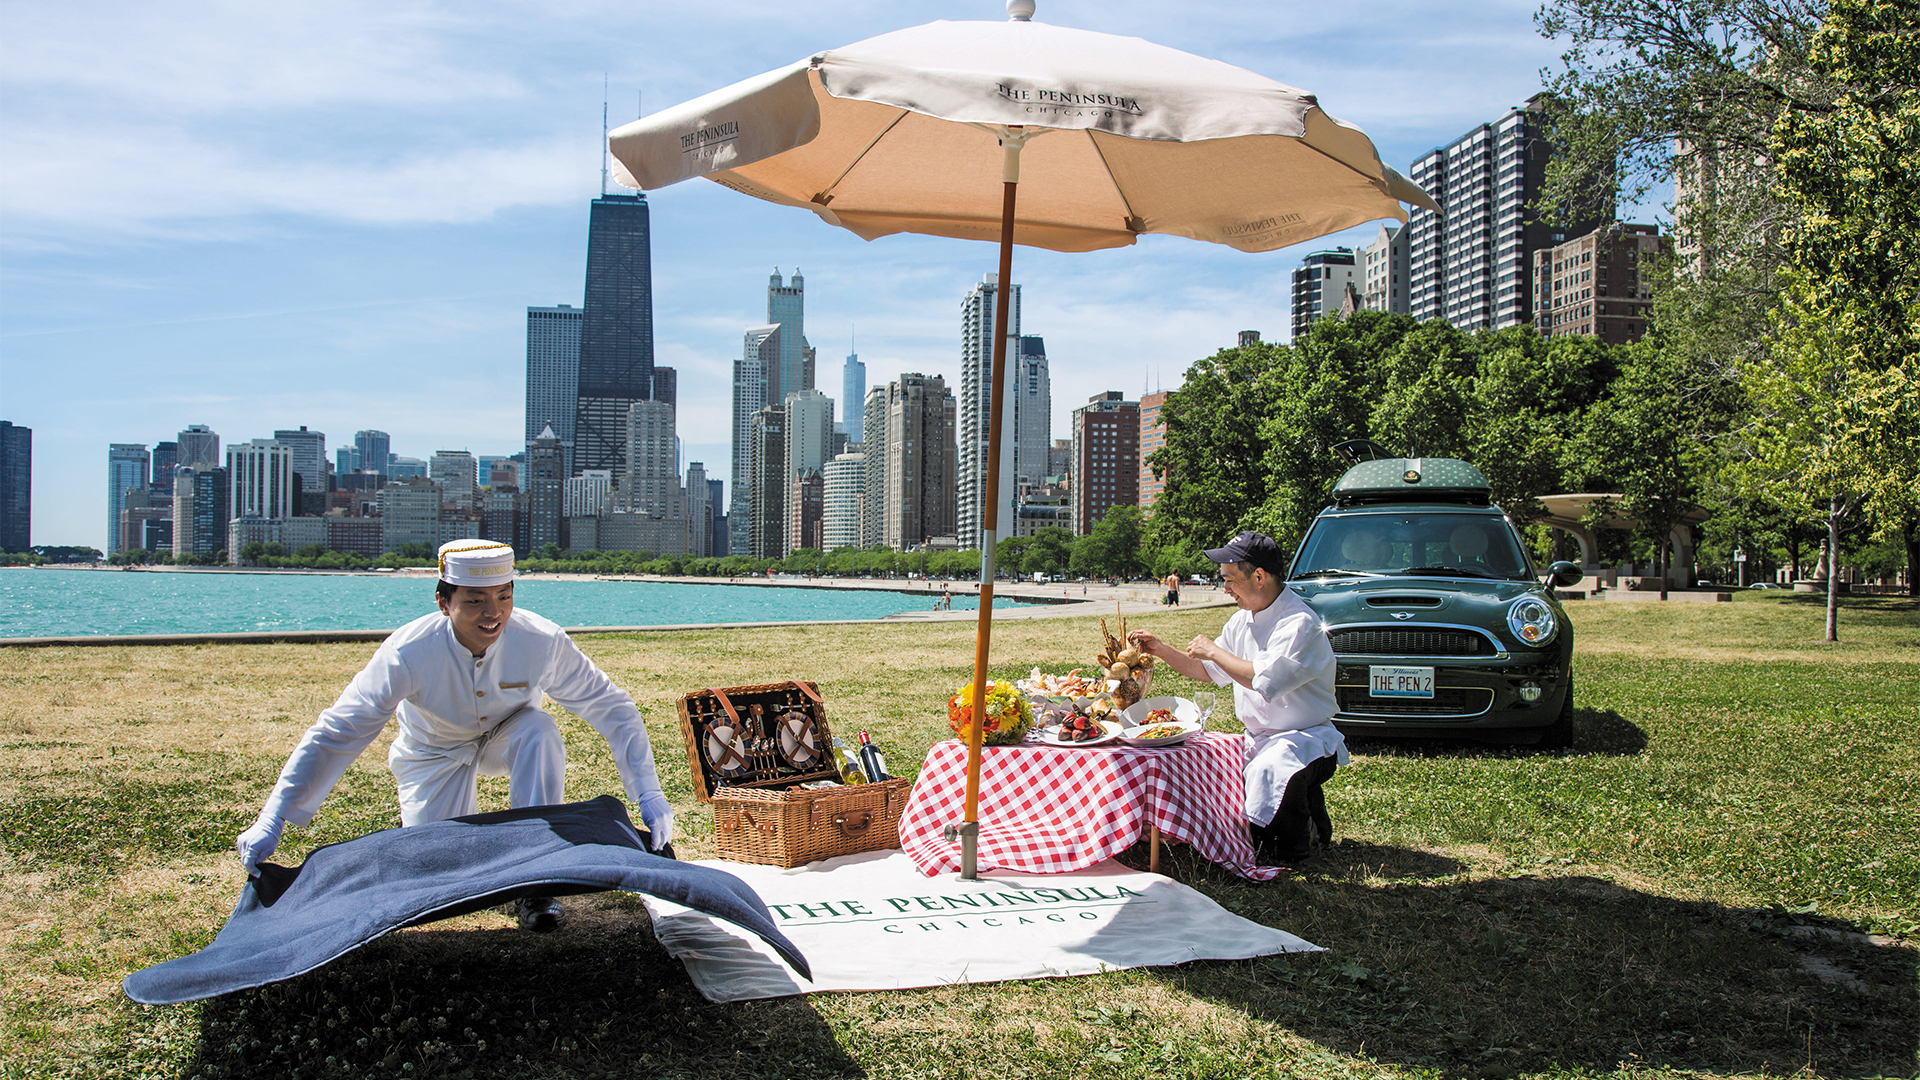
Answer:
(1532, 621)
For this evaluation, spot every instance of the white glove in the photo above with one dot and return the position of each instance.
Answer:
(258, 843)
(659, 818)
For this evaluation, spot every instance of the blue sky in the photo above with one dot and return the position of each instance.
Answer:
(335, 214)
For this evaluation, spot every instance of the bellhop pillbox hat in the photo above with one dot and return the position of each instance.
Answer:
(477, 563)
(1257, 549)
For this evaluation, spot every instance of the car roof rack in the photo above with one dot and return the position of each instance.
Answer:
(1405, 480)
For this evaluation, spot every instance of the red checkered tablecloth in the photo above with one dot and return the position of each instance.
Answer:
(1052, 810)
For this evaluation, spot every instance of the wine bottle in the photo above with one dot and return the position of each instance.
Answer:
(849, 764)
(871, 762)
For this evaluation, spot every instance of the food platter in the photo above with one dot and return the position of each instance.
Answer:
(1050, 736)
(1169, 733)
(1183, 710)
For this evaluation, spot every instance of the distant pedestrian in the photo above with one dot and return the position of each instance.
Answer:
(1173, 590)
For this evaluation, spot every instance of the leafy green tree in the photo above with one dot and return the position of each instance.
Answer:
(1638, 441)
(1323, 391)
(1113, 548)
(1212, 462)
(1049, 551)
(1838, 408)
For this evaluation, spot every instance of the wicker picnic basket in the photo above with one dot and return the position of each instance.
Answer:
(772, 738)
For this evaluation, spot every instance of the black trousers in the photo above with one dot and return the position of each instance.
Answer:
(1289, 837)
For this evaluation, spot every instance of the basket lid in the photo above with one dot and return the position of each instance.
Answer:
(767, 736)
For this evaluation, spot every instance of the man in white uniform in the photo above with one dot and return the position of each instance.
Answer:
(1281, 666)
(466, 685)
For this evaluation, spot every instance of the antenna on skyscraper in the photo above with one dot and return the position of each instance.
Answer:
(603, 134)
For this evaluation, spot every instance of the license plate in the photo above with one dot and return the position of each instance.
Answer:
(1402, 682)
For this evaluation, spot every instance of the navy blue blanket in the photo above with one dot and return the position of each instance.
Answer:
(291, 920)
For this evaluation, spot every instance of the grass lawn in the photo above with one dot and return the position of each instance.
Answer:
(1722, 877)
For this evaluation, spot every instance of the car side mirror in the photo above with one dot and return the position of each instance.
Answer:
(1563, 574)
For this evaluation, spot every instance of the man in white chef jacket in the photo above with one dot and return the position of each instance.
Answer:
(1280, 664)
(465, 684)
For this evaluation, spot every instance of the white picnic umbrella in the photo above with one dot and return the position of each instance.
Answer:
(1112, 136)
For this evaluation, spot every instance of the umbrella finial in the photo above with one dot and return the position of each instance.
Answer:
(1020, 10)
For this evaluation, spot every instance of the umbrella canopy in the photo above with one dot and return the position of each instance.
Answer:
(902, 133)
(898, 133)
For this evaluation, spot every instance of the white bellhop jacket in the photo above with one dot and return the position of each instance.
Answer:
(447, 699)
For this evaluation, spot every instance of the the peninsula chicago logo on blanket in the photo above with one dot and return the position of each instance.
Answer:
(968, 910)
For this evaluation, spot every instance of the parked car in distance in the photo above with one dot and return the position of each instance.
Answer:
(1764, 585)
(1440, 622)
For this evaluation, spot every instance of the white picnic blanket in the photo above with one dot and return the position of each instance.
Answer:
(874, 922)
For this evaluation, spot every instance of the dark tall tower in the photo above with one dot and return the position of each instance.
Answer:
(616, 332)
(16, 486)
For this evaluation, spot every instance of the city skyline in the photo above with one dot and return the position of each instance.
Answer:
(350, 294)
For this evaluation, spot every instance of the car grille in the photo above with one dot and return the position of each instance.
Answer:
(1446, 701)
(1410, 642)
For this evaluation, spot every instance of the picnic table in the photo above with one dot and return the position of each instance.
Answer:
(1056, 809)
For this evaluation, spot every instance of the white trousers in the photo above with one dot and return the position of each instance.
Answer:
(440, 782)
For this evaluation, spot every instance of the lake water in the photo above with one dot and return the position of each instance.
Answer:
(62, 603)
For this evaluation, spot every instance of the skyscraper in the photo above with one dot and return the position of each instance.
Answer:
(699, 501)
(261, 475)
(767, 473)
(977, 331)
(1031, 422)
(553, 371)
(16, 486)
(1383, 271)
(873, 531)
(787, 308)
(716, 500)
(616, 330)
(759, 356)
(1596, 285)
(372, 449)
(199, 447)
(126, 468)
(1106, 458)
(843, 500)
(853, 397)
(166, 455)
(809, 434)
(200, 510)
(1319, 285)
(457, 473)
(651, 482)
(1471, 265)
(544, 489)
(1153, 436)
(309, 450)
(922, 459)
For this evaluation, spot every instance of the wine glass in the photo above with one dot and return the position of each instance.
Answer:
(1204, 701)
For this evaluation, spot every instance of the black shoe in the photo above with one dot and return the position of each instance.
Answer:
(539, 914)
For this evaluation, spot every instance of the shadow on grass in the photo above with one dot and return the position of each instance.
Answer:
(1595, 731)
(600, 998)
(1495, 977)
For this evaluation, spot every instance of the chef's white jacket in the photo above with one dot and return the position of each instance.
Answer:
(447, 700)
(1288, 711)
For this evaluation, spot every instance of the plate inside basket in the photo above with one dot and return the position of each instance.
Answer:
(1050, 736)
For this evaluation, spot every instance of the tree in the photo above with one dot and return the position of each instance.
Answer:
(1049, 551)
(1212, 462)
(1639, 441)
(1838, 406)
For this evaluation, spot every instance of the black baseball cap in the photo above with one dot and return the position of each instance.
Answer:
(1255, 548)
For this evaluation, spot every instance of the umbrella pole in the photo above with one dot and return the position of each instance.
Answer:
(1011, 142)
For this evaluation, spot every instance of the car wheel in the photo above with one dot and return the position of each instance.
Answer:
(1559, 734)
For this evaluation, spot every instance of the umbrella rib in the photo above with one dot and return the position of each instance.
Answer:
(1124, 202)
(824, 196)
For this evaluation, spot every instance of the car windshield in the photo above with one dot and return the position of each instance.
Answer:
(1426, 544)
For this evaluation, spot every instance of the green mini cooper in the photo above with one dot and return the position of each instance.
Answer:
(1439, 620)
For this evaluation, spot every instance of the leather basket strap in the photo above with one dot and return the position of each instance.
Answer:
(732, 713)
(811, 693)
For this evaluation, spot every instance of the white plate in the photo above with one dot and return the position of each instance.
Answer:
(1183, 710)
(1050, 736)
(1187, 728)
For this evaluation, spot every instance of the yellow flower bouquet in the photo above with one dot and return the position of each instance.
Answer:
(1009, 716)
